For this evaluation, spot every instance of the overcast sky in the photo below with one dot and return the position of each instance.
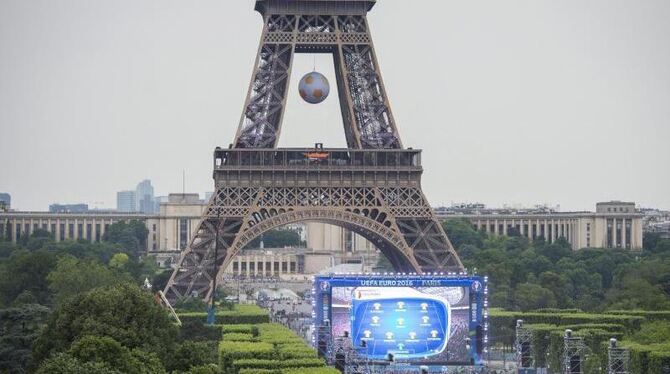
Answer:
(513, 102)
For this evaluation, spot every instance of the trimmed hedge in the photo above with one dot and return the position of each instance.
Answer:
(648, 359)
(594, 337)
(503, 323)
(650, 315)
(205, 369)
(612, 327)
(238, 337)
(311, 370)
(254, 363)
(230, 351)
(326, 370)
(242, 314)
(548, 327)
(274, 347)
(277, 334)
(556, 310)
(249, 309)
(548, 342)
(659, 362)
(192, 329)
(288, 351)
(245, 329)
(541, 341)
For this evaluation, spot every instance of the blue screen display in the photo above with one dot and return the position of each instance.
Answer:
(431, 320)
(406, 327)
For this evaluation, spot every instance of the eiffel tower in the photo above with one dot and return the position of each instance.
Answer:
(372, 188)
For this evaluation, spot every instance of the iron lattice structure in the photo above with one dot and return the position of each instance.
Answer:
(321, 26)
(373, 187)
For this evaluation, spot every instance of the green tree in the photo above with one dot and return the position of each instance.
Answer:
(24, 298)
(122, 312)
(652, 332)
(557, 284)
(663, 246)
(8, 228)
(189, 354)
(144, 268)
(26, 271)
(20, 327)
(38, 239)
(554, 251)
(650, 240)
(101, 252)
(160, 280)
(633, 292)
(530, 296)
(585, 287)
(105, 350)
(579, 279)
(62, 363)
(191, 304)
(119, 261)
(72, 277)
(205, 369)
(131, 236)
(6, 249)
(461, 232)
(495, 263)
(517, 245)
(502, 297)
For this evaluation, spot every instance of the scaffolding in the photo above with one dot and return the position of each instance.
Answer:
(573, 353)
(323, 341)
(617, 358)
(524, 346)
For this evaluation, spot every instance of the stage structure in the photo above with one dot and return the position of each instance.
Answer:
(373, 187)
(574, 350)
(370, 321)
(618, 358)
(524, 346)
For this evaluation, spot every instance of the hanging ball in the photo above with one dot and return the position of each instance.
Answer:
(314, 88)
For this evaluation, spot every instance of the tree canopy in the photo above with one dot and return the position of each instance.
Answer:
(131, 236)
(38, 275)
(527, 274)
(72, 277)
(122, 312)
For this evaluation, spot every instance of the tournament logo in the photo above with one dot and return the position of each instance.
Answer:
(476, 286)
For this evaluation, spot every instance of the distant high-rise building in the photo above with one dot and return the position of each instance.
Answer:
(5, 201)
(68, 208)
(144, 195)
(126, 201)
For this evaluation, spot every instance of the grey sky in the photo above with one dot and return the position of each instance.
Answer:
(563, 101)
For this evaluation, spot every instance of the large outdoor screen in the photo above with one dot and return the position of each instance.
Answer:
(426, 320)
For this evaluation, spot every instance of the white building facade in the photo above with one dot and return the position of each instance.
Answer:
(615, 224)
(169, 230)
